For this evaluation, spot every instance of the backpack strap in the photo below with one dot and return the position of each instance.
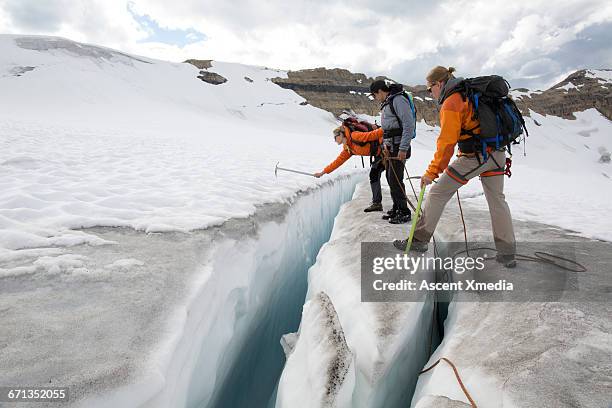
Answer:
(374, 146)
(460, 88)
(358, 143)
(469, 132)
(354, 125)
(412, 109)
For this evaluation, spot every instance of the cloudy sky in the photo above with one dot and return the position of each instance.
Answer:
(533, 43)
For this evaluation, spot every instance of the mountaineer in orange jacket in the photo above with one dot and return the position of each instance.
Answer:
(455, 118)
(360, 144)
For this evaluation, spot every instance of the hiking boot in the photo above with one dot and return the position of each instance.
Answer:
(400, 218)
(374, 207)
(390, 214)
(416, 245)
(507, 260)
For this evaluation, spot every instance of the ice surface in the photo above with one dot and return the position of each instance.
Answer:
(508, 354)
(272, 301)
(331, 374)
(164, 319)
(440, 402)
(525, 354)
(54, 44)
(390, 341)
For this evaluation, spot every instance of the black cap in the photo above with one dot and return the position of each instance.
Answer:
(378, 85)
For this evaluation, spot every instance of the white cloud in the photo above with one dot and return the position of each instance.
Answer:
(403, 39)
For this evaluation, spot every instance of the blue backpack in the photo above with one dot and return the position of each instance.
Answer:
(398, 90)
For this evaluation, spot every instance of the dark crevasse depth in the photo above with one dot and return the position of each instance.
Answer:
(257, 359)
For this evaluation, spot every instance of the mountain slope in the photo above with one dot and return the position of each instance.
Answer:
(582, 90)
(336, 90)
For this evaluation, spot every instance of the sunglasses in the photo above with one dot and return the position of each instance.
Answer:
(429, 87)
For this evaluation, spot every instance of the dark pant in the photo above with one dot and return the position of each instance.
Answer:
(376, 170)
(395, 178)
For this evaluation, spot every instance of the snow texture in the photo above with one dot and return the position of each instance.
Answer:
(567, 86)
(605, 75)
(331, 374)
(126, 185)
(389, 341)
(515, 93)
(508, 354)
(94, 137)
(159, 320)
(525, 354)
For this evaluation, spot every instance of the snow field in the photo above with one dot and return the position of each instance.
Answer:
(91, 137)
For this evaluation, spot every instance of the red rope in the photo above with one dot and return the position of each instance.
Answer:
(465, 391)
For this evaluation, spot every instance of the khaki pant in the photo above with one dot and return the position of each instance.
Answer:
(458, 173)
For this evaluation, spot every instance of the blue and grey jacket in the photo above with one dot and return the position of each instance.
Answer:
(396, 132)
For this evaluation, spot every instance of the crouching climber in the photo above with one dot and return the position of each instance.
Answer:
(360, 144)
(477, 156)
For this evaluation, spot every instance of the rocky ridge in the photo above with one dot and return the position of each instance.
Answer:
(337, 90)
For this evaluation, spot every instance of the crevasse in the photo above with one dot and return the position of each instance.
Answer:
(229, 354)
(349, 353)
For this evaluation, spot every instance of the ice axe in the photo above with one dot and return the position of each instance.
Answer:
(276, 169)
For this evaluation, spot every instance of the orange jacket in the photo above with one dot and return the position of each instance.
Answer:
(350, 148)
(455, 114)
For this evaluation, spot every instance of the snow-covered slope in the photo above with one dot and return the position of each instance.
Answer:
(160, 312)
(90, 136)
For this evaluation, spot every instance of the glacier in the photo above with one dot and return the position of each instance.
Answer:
(388, 342)
(508, 354)
(139, 213)
(148, 257)
(527, 353)
(181, 319)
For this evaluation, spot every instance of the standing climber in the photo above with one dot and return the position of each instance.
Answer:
(398, 121)
(361, 144)
(458, 126)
